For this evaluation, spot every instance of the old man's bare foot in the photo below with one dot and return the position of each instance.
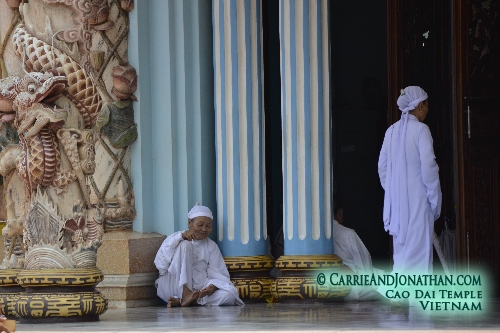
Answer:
(173, 302)
(189, 297)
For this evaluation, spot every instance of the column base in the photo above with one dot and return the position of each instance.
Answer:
(127, 260)
(9, 290)
(299, 282)
(130, 290)
(60, 307)
(251, 276)
(60, 295)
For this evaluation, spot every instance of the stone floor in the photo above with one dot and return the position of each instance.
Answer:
(276, 317)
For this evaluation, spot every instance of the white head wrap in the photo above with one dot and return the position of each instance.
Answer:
(396, 207)
(198, 210)
(410, 98)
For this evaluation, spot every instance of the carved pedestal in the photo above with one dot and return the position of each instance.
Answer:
(60, 295)
(251, 276)
(127, 260)
(299, 282)
(9, 290)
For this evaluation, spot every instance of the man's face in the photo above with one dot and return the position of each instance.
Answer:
(425, 109)
(339, 217)
(201, 226)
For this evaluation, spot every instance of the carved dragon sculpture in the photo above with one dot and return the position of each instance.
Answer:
(42, 57)
(37, 118)
(37, 123)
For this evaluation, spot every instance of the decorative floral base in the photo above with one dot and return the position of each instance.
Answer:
(251, 276)
(60, 295)
(299, 282)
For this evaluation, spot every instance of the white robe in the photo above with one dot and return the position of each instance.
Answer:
(413, 251)
(196, 264)
(348, 246)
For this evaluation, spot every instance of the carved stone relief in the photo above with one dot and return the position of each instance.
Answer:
(66, 88)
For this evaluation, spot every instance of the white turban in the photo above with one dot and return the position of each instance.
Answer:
(410, 98)
(198, 210)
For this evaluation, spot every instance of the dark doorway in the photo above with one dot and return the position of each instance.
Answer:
(419, 53)
(476, 88)
(359, 74)
(272, 112)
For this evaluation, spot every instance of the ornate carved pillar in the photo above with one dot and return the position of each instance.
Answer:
(12, 189)
(69, 96)
(307, 137)
(241, 220)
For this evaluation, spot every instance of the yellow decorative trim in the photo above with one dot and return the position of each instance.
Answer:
(2, 225)
(75, 277)
(38, 305)
(309, 262)
(8, 302)
(8, 277)
(304, 286)
(292, 288)
(250, 263)
(253, 288)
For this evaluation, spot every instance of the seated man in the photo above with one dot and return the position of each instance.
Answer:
(192, 270)
(348, 246)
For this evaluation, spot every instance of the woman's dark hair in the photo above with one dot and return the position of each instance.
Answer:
(337, 204)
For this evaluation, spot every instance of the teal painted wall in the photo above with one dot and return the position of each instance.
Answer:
(173, 162)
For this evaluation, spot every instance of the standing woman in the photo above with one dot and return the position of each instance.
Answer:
(410, 177)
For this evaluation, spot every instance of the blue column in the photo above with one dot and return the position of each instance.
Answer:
(306, 126)
(173, 162)
(142, 169)
(239, 122)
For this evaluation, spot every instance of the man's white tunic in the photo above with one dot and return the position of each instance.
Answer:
(196, 264)
(415, 193)
(348, 246)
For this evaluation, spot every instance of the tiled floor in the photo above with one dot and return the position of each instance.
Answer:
(274, 317)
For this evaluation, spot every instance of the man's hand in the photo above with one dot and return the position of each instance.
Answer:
(207, 291)
(189, 235)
